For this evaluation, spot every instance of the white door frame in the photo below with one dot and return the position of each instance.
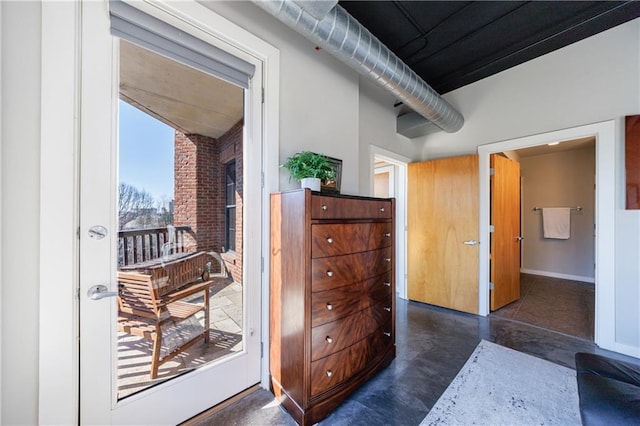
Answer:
(58, 399)
(400, 178)
(605, 134)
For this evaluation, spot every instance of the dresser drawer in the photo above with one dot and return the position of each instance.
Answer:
(335, 369)
(337, 271)
(348, 208)
(337, 335)
(330, 305)
(339, 238)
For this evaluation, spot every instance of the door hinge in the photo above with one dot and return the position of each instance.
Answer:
(490, 286)
(262, 94)
(492, 171)
(492, 228)
(262, 264)
(261, 350)
(262, 180)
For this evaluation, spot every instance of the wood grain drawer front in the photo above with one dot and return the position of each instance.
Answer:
(337, 271)
(332, 337)
(347, 208)
(330, 305)
(340, 238)
(335, 369)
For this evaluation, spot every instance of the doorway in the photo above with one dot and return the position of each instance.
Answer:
(557, 271)
(180, 148)
(604, 134)
(389, 179)
(183, 393)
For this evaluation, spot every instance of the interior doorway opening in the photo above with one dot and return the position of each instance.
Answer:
(389, 179)
(557, 275)
(604, 277)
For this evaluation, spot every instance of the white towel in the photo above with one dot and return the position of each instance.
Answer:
(556, 222)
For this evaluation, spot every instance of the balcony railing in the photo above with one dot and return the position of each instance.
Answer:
(140, 245)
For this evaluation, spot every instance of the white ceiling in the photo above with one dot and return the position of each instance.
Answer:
(562, 146)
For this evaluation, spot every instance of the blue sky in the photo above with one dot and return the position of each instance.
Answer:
(146, 152)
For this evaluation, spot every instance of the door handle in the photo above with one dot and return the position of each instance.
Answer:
(100, 291)
(470, 242)
(519, 238)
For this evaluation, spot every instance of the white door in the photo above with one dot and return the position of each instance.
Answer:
(179, 395)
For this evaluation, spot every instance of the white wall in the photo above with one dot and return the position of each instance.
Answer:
(319, 100)
(590, 81)
(378, 128)
(324, 105)
(20, 211)
(559, 179)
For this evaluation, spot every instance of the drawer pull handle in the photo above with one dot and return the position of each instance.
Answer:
(388, 309)
(382, 209)
(329, 307)
(330, 240)
(387, 234)
(329, 373)
(387, 284)
(324, 207)
(386, 333)
(387, 259)
(329, 273)
(329, 339)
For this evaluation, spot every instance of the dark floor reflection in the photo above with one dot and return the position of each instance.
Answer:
(432, 346)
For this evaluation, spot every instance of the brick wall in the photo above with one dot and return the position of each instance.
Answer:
(199, 167)
(198, 199)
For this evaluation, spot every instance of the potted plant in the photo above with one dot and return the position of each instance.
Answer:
(310, 169)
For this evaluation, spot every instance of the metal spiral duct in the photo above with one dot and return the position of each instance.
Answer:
(341, 35)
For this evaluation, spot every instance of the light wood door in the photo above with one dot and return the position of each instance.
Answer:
(442, 233)
(505, 239)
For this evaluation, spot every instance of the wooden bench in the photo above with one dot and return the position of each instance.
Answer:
(154, 298)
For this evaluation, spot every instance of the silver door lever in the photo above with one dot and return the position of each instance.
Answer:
(470, 242)
(100, 291)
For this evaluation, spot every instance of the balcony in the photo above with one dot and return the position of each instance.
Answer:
(225, 313)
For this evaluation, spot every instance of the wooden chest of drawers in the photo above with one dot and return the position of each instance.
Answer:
(332, 299)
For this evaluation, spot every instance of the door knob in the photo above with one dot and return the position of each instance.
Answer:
(519, 238)
(100, 291)
(470, 242)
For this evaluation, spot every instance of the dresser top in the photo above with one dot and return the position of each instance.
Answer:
(335, 195)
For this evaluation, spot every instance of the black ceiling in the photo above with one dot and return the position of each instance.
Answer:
(454, 43)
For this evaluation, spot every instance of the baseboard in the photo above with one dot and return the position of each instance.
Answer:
(557, 275)
(629, 350)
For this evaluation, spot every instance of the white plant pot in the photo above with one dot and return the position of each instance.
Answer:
(311, 183)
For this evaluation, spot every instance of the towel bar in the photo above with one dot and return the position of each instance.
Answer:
(578, 209)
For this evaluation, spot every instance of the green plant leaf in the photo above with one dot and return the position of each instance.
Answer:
(306, 164)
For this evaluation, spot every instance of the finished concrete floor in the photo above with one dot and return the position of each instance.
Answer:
(432, 346)
(560, 305)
